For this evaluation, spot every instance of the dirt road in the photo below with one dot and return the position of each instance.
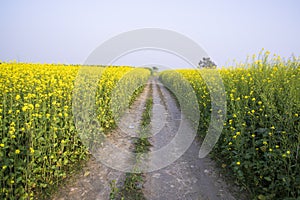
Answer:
(188, 177)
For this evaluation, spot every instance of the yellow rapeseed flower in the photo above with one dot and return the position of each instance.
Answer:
(270, 133)
(18, 97)
(31, 150)
(284, 155)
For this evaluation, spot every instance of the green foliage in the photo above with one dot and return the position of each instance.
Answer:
(207, 63)
(39, 143)
(261, 135)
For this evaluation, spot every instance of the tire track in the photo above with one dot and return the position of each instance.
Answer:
(188, 177)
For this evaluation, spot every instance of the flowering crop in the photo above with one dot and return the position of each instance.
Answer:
(261, 135)
(39, 144)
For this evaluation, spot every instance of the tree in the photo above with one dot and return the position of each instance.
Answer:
(155, 68)
(207, 63)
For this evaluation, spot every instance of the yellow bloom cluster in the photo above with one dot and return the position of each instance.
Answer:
(262, 119)
(36, 111)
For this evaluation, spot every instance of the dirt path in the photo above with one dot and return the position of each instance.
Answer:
(188, 177)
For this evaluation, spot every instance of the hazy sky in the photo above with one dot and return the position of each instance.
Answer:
(68, 31)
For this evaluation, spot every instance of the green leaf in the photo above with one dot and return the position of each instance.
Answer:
(261, 130)
(261, 197)
(267, 178)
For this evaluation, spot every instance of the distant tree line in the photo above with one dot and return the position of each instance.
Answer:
(207, 63)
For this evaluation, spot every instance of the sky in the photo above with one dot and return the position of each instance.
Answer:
(68, 31)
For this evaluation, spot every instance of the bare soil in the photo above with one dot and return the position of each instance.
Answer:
(189, 177)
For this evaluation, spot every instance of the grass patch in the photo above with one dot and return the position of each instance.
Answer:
(132, 188)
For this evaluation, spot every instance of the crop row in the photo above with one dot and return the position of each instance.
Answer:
(40, 143)
(260, 137)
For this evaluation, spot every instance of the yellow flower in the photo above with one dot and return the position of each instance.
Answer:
(24, 108)
(296, 115)
(259, 103)
(17, 151)
(31, 106)
(270, 134)
(31, 150)
(238, 163)
(277, 146)
(253, 135)
(270, 149)
(272, 127)
(1, 145)
(288, 152)
(18, 97)
(265, 142)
